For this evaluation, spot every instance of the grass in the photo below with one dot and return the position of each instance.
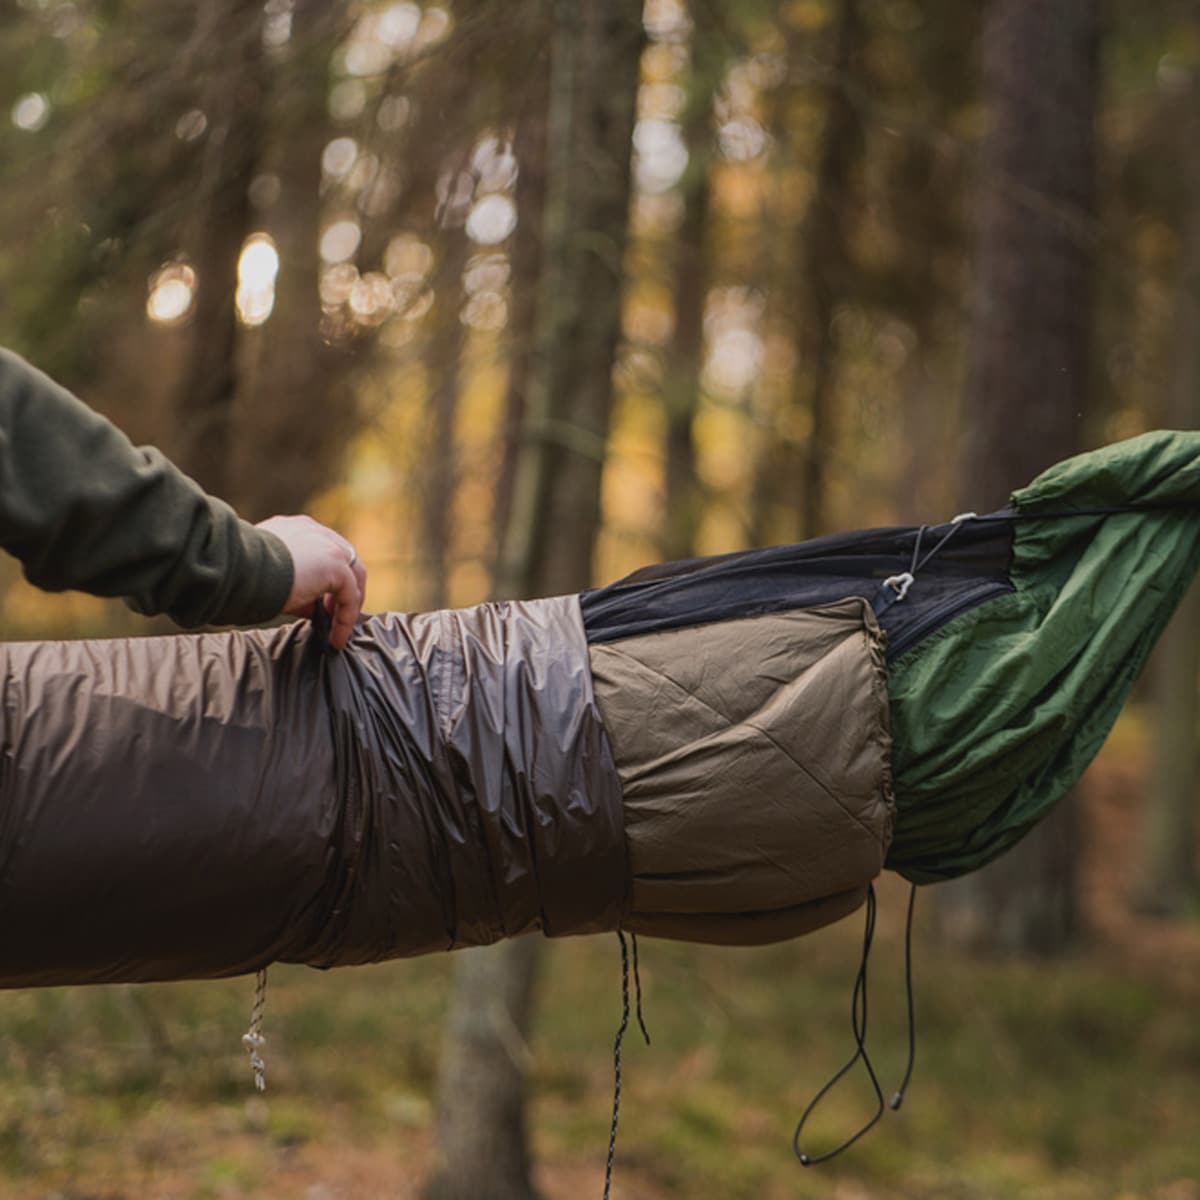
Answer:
(1071, 1081)
(1074, 1080)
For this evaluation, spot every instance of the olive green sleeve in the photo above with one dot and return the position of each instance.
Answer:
(81, 507)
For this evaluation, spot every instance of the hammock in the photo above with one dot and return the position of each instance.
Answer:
(725, 750)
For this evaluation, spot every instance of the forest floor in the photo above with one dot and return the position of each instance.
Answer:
(1075, 1079)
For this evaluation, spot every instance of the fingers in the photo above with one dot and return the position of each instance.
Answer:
(344, 603)
(360, 575)
(325, 569)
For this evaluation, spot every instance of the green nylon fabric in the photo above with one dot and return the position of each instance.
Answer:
(995, 716)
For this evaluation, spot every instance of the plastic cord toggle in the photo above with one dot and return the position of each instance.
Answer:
(900, 584)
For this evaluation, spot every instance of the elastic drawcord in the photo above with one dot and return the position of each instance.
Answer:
(616, 1111)
(858, 1023)
(898, 1098)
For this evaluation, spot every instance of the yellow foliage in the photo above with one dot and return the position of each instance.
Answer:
(740, 192)
(30, 613)
(806, 16)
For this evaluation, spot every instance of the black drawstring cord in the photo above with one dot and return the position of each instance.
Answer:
(898, 1098)
(1015, 514)
(858, 1023)
(616, 1111)
(637, 990)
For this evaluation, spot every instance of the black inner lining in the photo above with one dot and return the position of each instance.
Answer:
(972, 567)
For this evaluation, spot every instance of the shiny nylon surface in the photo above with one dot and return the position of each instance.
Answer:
(203, 805)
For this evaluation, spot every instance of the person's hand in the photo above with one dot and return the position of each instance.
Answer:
(324, 566)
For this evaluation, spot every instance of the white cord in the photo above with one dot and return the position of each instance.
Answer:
(900, 584)
(253, 1038)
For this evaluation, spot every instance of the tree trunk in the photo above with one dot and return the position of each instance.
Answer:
(681, 387)
(1167, 874)
(233, 102)
(482, 1137)
(547, 547)
(791, 477)
(1028, 386)
(1167, 877)
(822, 265)
(300, 414)
(445, 356)
(529, 145)
(593, 99)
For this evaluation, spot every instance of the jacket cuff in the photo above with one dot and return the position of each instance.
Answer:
(264, 580)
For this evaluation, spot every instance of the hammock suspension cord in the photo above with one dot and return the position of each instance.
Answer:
(895, 587)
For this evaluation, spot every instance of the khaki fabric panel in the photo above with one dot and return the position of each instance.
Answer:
(754, 760)
(748, 929)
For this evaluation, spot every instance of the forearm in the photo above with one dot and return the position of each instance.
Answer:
(81, 507)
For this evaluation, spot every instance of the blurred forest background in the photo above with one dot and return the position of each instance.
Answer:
(522, 295)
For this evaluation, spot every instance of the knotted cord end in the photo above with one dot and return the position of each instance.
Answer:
(253, 1038)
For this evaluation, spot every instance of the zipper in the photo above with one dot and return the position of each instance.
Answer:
(947, 611)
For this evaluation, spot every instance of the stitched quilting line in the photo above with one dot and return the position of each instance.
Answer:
(659, 674)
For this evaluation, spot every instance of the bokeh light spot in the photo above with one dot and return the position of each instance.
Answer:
(171, 291)
(339, 156)
(661, 155)
(492, 220)
(340, 240)
(31, 112)
(398, 26)
(191, 125)
(258, 267)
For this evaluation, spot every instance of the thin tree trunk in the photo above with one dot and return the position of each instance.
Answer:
(1167, 873)
(445, 359)
(529, 145)
(547, 548)
(922, 192)
(483, 1139)
(517, 561)
(791, 475)
(1167, 877)
(301, 414)
(233, 104)
(681, 388)
(822, 265)
(593, 99)
(1028, 386)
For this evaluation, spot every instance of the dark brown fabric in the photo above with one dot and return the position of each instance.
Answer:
(482, 731)
(202, 805)
(754, 758)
